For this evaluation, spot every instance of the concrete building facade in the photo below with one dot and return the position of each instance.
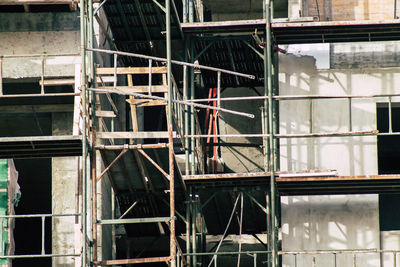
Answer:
(253, 133)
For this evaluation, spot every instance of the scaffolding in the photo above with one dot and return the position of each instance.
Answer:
(97, 132)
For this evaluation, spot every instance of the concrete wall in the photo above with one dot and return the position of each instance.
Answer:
(365, 55)
(358, 154)
(241, 159)
(338, 10)
(334, 222)
(330, 222)
(39, 33)
(390, 240)
(64, 183)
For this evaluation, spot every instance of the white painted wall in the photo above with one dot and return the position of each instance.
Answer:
(358, 155)
(332, 222)
(328, 223)
(390, 240)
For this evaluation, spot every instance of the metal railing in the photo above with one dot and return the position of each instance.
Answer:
(261, 257)
(43, 217)
(42, 74)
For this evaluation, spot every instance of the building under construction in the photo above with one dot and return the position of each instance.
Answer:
(196, 133)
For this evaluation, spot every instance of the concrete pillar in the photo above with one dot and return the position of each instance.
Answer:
(64, 180)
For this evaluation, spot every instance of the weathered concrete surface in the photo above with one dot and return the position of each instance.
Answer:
(65, 173)
(52, 42)
(330, 222)
(365, 55)
(39, 33)
(338, 10)
(36, 22)
(241, 159)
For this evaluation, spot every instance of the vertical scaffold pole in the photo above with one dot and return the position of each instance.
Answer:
(170, 139)
(92, 173)
(84, 135)
(192, 110)
(268, 59)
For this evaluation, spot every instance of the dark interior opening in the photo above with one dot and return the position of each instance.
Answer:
(35, 183)
(388, 163)
(34, 8)
(34, 179)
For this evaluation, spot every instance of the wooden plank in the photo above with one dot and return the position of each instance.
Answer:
(135, 126)
(134, 261)
(137, 88)
(146, 102)
(131, 70)
(104, 79)
(56, 82)
(133, 135)
(105, 114)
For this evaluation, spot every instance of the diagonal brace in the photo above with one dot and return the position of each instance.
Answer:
(111, 164)
(141, 151)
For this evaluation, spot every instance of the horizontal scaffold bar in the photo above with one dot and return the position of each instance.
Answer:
(133, 135)
(198, 66)
(116, 90)
(136, 220)
(139, 146)
(133, 261)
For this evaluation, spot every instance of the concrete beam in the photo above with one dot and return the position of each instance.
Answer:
(38, 22)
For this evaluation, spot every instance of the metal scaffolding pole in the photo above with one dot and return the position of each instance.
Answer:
(170, 139)
(269, 86)
(84, 136)
(192, 119)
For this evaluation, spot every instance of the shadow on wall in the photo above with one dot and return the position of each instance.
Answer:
(358, 154)
(236, 158)
(329, 223)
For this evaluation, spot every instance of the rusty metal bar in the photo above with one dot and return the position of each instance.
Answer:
(170, 135)
(94, 198)
(111, 164)
(141, 151)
